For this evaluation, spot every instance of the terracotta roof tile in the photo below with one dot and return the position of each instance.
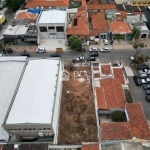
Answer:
(93, 32)
(26, 15)
(80, 29)
(105, 69)
(118, 27)
(122, 16)
(136, 127)
(91, 147)
(44, 3)
(101, 6)
(100, 23)
(83, 2)
(101, 101)
(82, 8)
(111, 94)
(97, 75)
(115, 131)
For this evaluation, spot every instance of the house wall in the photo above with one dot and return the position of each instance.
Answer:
(46, 35)
(140, 2)
(29, 130)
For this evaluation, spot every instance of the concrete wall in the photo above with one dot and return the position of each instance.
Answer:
(46, 35)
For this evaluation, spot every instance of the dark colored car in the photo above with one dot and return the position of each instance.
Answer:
(25, 54)
(147, 91)
(55, 55)
(80, 50)
(95, 54)
(90, 59)
(143, 67)
(146, 86)
(8, 50)
(137, 80)
(148, 98)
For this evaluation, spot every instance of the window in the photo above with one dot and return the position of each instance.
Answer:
(139, 2)
(51, 29)
(60, 29)
(43, 29)
(148, 2)
(133, 3)
(48, 128)
(44, 128)
(144, 2)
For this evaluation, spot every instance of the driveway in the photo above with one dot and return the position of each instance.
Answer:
(139, 94)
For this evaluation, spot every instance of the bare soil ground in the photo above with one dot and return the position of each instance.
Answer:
(77, 121)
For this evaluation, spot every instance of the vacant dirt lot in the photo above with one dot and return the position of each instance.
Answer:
(77, 122)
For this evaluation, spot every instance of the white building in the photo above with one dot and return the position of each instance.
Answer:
(51, 24)
(11, 70)
(35, 111)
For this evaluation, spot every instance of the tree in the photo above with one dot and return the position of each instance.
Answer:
(74, 42)
(117, 116)
(135, 33)
(13, 4)
(1, 45)
(140, 59)
(138, 46)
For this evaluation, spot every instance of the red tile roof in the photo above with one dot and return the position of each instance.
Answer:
(45, 3)
(91, 147)
(105, 69)
(111, 94)
(118, 27)
(100, 23)
(122, 16)
(27, 15)
(80, 29)
(101, 6)
(93, 32)
(82, 8)
(137, 125)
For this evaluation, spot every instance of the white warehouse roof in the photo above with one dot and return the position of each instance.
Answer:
(34, 101)
(53, 16)
(10, 73)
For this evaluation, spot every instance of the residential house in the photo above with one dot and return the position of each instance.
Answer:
(50, 26)
(99, 27)
(77, 22)
(44, 4)
(138, 22)
(120, 30)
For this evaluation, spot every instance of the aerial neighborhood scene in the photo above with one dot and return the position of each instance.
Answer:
(74, 74)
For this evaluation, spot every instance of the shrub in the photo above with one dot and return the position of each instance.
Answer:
(117, 116)
(128, 96)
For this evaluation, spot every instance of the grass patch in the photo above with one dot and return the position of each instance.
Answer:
(128, 96)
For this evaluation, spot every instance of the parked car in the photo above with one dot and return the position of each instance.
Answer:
(40, 50)
(137, 80)
(148, 98)
(144, 71)
(143, 67)
(94, 54)
(80, 50)
(8, 50)
(105, 49)
(147, 92)
(143, 75)
(55, 55)
(132, 58)
(146, 86)
(25, 54)
(145, 80)
(93, 50)
(80, 58)
(105, 42)
(90, 59)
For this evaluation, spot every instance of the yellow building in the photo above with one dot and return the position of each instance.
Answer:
(140, 2)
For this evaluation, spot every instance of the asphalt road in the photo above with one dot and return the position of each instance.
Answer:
(122, 55)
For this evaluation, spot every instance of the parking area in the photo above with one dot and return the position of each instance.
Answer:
(138, 94)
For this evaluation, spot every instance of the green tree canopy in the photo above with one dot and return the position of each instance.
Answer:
(1, 45)
(135, 33)
(140, 59)
(74, 42)
(13, 4)
(117, 116)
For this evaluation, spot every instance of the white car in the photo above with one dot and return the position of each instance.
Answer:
(105, 42)
(80, 58)
(132, 58)
(93, 49)
(40, 50)
(105, 49)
